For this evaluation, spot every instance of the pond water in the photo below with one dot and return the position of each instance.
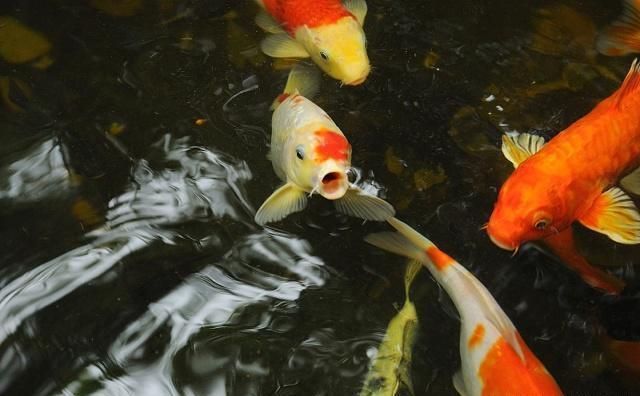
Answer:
(133, 157)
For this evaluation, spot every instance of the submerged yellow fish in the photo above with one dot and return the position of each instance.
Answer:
(390, 369)
(311, 154)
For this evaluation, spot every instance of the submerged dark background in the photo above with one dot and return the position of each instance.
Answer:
(133, 157)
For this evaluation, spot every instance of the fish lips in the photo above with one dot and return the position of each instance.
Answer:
(332, 183)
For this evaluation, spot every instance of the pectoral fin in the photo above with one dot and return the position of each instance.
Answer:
(281, 45)
(631, 182)
(284, 201)
(358, 8)
(615, 215)
(458, 383)
(520, 147)
(357, 203)
(267, 23)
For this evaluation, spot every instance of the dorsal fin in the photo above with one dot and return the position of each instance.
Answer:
(629, 85)
(303, 80)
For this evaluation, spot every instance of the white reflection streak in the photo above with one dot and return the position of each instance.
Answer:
(206, 299)
(55, 279)
(168, 197)
(40, 174)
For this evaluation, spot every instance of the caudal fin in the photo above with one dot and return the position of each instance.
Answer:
(303, 80)
(623, 35)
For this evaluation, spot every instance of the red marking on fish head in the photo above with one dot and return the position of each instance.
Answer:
(504, 372)
(477, 336)
(331, 145)
(439, 258)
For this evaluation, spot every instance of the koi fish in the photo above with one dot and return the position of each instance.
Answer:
(311, 154)
(328, 31)
(572, 177)
(390, 369)
(495, 358)
(623, 35)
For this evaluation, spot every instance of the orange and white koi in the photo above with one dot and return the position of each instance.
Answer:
(495, 358)
(311, 154)
(328, 31)
(623, 35)
(573, 176)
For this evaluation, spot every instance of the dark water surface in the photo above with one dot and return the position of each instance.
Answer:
(133, 158)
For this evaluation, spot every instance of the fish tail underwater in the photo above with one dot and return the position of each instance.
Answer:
(221, 198)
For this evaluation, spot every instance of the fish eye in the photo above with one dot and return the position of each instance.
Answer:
(324, 55)
(541, 224)
(300, 152)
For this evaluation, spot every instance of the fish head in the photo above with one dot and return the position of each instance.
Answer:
(527, 209)
(338, 48)
(318, 162)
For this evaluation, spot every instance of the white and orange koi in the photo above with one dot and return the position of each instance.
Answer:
(327, 31)
(311, 154)
(495, 358)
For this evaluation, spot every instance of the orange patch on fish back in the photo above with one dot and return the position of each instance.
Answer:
(312, 13)
(331, 145)
(503, 372)
(476, 336)
(440, 259)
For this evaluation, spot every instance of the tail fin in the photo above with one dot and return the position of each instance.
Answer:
(623, 35)
(303, 80)
(630, 85)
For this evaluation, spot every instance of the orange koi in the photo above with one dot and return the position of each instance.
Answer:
(573, 176)
(495, 358)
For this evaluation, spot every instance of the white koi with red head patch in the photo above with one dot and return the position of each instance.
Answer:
(312, 155)
(495, 359)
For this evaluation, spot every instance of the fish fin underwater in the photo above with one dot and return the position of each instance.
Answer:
(517, 148)
(357, 203)
(631, 182)
(458, 384)
(303, 80)
(281, 45)
(284, 201)
(562, 245)
(623, 35)
(629, 86)
(267, 23)
(358, 8)
(615, 215)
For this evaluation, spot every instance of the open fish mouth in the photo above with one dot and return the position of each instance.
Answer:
(333, 185)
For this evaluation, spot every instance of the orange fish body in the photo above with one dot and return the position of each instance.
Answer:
(327, 31)
(495, 359)
(567, 179)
